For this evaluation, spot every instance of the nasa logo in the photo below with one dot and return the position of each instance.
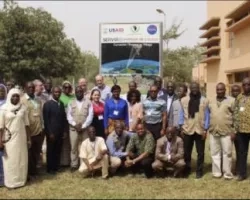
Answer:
(116, 30)
(152, 29)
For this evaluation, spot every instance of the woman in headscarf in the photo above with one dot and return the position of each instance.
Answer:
(65, 98)
(3, 95)
(14, 122)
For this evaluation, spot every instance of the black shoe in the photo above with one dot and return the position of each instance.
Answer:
(51, 172)
(198, 176)
(241, 178)
(73, 169)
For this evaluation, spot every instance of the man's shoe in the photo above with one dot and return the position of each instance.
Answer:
(241, 178)
(73, 169)
(198, 176)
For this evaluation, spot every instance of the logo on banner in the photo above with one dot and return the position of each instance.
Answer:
(135, 29)
(116, 30)
(152, 29)
(105, 30)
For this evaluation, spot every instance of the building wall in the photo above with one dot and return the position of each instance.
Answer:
(234, 58)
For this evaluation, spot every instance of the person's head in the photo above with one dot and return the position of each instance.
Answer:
(99, 81)
(56, 93)
(221, 90)
(30, 88)
(246, 85)
(38, 86)
(3, 92)
(95, 95)
(140, 129)
(132, 86)
(235, 90)
(153, 91)
(182, 91)
(119, 127)
(48, 85)
(79, 93)
(158, 82)
(170, 88)
(194, 88)
(13, 96)
(116, 90)
(83, 83)
(134, 96)
(67, 88)
(9, 85)
(91, 133)
(171, 133)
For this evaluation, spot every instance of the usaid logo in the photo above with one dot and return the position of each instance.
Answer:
(152, 29)
(116, 30)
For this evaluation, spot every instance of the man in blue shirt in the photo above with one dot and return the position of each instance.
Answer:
(116, 143)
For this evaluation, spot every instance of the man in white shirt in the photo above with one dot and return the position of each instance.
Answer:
(94, 155)
(80, 116)
(104, 89)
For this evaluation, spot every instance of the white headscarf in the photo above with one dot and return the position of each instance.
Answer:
(9, 106)
(4, 100)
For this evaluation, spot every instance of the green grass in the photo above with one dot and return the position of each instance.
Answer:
(68, 185)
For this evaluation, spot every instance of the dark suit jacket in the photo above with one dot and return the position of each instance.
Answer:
(176, 150)
(165, 97)
(54, 116)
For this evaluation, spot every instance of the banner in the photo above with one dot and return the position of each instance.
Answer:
(127, 49)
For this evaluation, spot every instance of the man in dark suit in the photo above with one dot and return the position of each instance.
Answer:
(54, 123)
(169, 152)
(169, 97)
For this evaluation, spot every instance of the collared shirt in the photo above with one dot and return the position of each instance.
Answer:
(140, 145)
(242, 114)
(89, 119)
(117, 110)
(169, 102)
(43, 98)
(221, 116)
(105, 92)
(117, 144)
(160, 93)
(168, 150)
(90, 150)
(153, 110)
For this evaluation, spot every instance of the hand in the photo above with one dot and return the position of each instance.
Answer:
(1, 146)
(51, 137)
(128, 163)
(90, 168)
(204, 135)
(107, 131)
(233, 136)
(99, 157)
(163, 131)
(78, 127)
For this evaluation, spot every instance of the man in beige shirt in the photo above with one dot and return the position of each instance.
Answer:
(169, 152)
(34, 108)
(94, 155)
(221, 132)
(83, 83)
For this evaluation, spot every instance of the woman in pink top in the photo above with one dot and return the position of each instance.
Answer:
(135, 109)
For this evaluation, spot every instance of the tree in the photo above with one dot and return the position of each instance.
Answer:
(173, 32)
(179, 62)
(34, 45)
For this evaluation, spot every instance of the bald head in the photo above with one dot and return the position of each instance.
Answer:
(56, 93)
(39, 87)
(99, 81)
(246, 86)
(30, 88)
(119, 127)
(221, 90)
(235, 90)
(171, 133)
(83, 83)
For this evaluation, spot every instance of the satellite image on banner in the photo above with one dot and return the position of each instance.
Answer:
(130, 58)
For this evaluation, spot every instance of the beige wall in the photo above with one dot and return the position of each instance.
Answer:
(199, 73)
(234, 58)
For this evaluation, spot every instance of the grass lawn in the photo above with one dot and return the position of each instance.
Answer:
(68, 185)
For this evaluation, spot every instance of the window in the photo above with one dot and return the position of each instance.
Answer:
(239, 76)
(230, 78)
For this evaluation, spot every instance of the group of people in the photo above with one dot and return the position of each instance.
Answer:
(93, 130)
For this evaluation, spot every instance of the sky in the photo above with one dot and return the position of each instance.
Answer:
(81, 18)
